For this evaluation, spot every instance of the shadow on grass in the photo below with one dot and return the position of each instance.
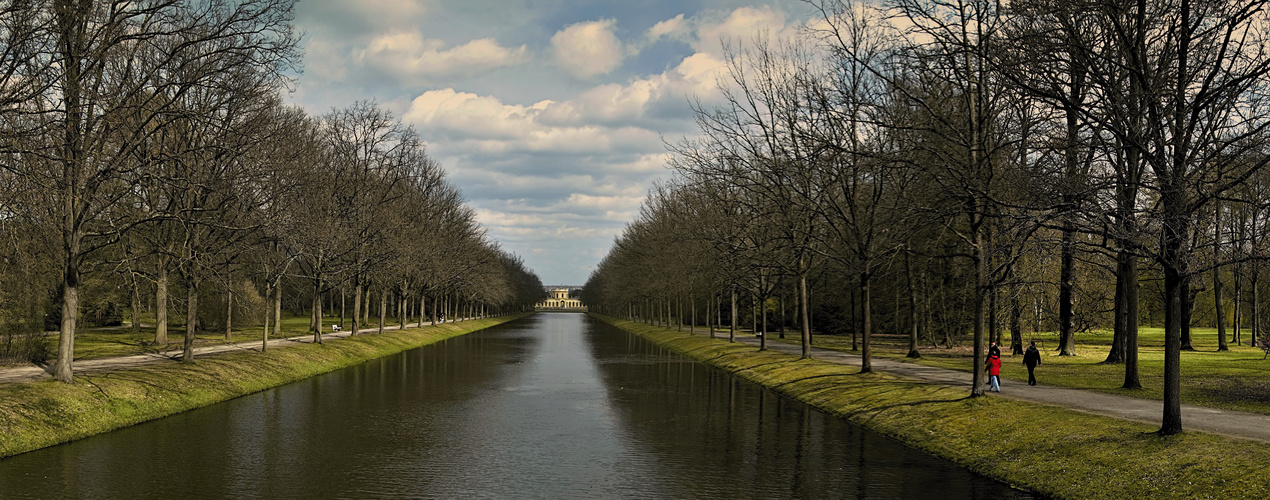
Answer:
(761, 365)
(909, 404)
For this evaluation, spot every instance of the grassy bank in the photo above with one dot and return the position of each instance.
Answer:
(1052, 451)
(39, 414)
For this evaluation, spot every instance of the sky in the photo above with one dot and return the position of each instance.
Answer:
(551, 116)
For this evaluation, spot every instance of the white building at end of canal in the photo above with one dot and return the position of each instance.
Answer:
(559, 298)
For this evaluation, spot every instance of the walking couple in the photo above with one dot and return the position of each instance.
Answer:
(1031, 358)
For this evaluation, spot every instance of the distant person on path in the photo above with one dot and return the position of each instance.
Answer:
(994, 372)
(1031, 358)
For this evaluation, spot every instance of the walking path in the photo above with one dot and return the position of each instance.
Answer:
(42, 372)
(1228, 423)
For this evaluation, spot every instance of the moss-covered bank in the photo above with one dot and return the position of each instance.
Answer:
(1052, 451)
(35, 415)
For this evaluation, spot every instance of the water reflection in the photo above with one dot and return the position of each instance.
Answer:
(721, 437)
(553, 406)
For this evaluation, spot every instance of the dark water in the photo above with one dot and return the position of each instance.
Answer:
(553, 406)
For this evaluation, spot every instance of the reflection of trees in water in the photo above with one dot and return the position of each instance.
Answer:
(746, 441)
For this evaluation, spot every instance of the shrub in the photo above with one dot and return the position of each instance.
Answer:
(16, 348)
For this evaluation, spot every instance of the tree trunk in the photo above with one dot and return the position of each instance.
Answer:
(805, 314)
(760, 327)
(1067, 337)
(994, 329)
(229, 314)
(317, 310)
(191, 318)
(1173, 231)
(1016, 322)
(383, 309)
(713, 321)
(782, 300)
(912, 308)
(1130, 278)
(853, 320)
(1173, 298)
(732, 325)
(679, 318)
(980, 302)
(357, 306)
(136, 305)
(1221, 313)
(718, 311)
(1120, 311)
(70, 24)
(692, 324)
(1254, 280)
(866, 306)
(1217, 305)
(264, 335)
(928, 312)
(1237, 316)
(161, 305)
(1188, 302)
(277, 307)
(66, 338)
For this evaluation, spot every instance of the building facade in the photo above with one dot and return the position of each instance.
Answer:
(559, 298)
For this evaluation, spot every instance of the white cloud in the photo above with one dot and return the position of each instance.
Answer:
(741, 26)
(588, 49)
(408, 55)
(473, 115)
(579, 215)
(695, 76)
(491, 126)
(674, 28)
(614, 208)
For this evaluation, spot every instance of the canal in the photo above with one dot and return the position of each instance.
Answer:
(556, 405)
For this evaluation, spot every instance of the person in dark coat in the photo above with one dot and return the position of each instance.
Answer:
(1031, 358)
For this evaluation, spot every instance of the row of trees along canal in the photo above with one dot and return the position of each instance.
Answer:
(146, 153)
(976, 164)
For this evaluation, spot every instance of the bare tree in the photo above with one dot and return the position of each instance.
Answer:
(94, 82)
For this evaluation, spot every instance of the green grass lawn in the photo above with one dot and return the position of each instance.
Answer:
(1238, 379)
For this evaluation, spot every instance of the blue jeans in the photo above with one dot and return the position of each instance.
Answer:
(996, 384)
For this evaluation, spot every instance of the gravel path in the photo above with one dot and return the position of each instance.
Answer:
(1229, 423)
(44, 372)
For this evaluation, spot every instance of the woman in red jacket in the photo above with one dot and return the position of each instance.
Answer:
(994, 372)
